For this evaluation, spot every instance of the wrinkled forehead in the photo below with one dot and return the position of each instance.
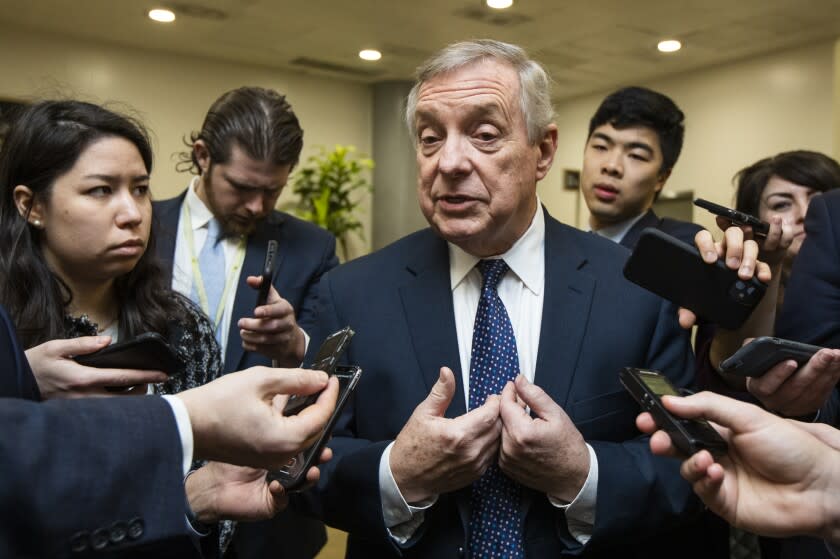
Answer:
(487, 82)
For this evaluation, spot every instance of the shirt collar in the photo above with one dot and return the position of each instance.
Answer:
(200, 214)
(525, 258)
(616, 232)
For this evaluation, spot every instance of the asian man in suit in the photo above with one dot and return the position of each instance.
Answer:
(635, 138)
(214, 237)
(489, 420)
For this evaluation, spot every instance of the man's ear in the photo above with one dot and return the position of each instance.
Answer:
(661, 180)
(29, 208)
(547, 148)
(202, 155)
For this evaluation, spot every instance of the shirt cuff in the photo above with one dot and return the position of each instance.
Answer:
(401, 519)
(580, 513)
(182, 420)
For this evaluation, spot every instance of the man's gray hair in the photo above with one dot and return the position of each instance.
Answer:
(534, 83)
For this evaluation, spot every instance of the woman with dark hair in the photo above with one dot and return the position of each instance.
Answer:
(783, 186)
(78, 251)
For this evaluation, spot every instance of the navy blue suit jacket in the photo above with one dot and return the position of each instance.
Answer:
(594, 323)
(305, 252)
(683, 230)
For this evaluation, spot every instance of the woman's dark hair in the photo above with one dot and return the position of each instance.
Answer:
(806, 168)
(258, 120)
(43, 143)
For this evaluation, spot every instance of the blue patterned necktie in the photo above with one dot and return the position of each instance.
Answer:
(211, 262)
(495, 526)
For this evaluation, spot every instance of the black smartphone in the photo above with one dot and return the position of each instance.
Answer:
(325, 360)
(147, 351)
(675, 271)
(761, 354)
(292, 476)
(688, 435)
(759, 228)
(267, 273)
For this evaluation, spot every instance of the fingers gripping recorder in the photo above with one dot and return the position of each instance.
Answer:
(292, 476)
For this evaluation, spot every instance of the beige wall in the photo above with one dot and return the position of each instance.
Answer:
(171, 93)
(735, 114)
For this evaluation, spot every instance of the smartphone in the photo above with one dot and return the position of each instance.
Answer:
(292, 476)
(147, 351)
(267, 273)
(325, 360)
(761, 354)
(759, 228)
(675, 271)
(688, 435)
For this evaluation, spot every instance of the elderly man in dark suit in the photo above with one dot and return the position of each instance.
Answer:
(489, 420)
(214, 238)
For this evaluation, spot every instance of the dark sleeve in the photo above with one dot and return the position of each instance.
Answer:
(811, 309)
(640, 494)
(352, 476)
(327, 260)
(16, 378)
(90, 472)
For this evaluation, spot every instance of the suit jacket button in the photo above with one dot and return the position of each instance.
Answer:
(461, 553)
(118, 532)
(79, 542)
(99, 540)
(135, 528)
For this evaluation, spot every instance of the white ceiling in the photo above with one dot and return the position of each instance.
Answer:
(586, 46)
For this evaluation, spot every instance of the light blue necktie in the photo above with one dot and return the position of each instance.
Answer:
(211, 262)
(495, 524)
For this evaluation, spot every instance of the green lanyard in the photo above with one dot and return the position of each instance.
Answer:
(238, 259)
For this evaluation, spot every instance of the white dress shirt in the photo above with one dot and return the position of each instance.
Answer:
(522, 291)
(182, 269)
(616, 232)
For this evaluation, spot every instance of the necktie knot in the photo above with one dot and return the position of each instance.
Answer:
(214, 232)
(492, 272)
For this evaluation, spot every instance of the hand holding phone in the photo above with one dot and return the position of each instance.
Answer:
(148, 351)
(760, 355)
(325, 360)
(675, 271)
(267, 273)
(689, 436)
(292, 476)
(759, 228)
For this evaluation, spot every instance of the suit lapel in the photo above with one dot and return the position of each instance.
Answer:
(429, 312)
(246, 296)
(568, 298)
(166, 216)
(632, 236)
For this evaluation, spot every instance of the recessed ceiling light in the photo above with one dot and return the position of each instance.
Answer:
(669, 45)
(161, 15)
(500, 4)
(370, 54)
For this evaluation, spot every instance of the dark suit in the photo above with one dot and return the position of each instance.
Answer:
(683, 230)
(78, 474)
(811, 314)
(305, 252)
(16, 379)
(594, 323)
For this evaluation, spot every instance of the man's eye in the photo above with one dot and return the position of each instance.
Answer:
(638, 157)
(428, 139)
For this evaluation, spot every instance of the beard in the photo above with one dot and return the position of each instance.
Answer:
(232, 224)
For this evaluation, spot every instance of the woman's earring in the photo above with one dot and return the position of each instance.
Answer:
(36, 223)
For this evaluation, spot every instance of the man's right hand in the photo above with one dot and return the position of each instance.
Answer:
(239, 419)
(434, 455)
(59, 376)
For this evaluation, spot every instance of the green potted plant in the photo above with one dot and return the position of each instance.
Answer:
(326, 188)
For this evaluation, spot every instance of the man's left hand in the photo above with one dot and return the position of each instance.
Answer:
(274, 332)
(546, 452)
